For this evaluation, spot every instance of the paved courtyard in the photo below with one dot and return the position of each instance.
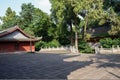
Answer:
(60, 66)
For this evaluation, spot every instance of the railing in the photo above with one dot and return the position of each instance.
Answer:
(112, 50)
(62, 48)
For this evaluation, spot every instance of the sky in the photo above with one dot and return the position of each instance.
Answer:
(15, 5)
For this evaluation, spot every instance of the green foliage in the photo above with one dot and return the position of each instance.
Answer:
(42, 44)
(114, 22)
(53, 43)
(0, 27)
(82, 23)
(66, 13)
(10, 19)
(42, 26)
(88, 36)
(116, 42)
(39, 44)
(36, 22)
(64, 41)
(57, 28)
(26, 18)
(29, 31)
(63, 16)
(26, 14)
(115, 26)
(112, 3)
(108, 42)
(84, 47)
(102, 22)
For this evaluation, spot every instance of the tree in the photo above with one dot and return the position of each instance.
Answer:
(92, 11)
(112, 3)
(114, 20)
(42, 26)
(10, 19)
(113, 16)
(26, 17)
(63, 16)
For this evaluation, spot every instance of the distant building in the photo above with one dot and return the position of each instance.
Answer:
(14, 39)
(115, 0)
(98, 33)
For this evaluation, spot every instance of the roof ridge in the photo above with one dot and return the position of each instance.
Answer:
(8, 29)
(11, 29)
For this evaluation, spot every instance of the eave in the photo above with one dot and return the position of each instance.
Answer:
(16, 34)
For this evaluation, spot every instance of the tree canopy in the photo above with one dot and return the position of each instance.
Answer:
(10, 18)
(66, 18)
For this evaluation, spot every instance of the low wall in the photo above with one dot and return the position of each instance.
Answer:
(62, 48)
(113, 50)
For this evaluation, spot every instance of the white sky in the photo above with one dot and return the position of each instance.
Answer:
(44, 5)
(15, 5)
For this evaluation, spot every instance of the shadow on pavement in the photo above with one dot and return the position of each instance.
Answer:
(38, 66)
(105, 61)
(114, 74)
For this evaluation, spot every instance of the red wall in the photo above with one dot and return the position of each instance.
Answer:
(25, 46)
(15, 46)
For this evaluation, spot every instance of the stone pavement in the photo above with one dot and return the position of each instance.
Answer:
(60, 66)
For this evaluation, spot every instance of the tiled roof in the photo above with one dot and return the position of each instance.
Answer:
(9, 35)
(98, 31)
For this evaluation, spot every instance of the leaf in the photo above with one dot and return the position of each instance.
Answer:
(82, 23)
(102, 21)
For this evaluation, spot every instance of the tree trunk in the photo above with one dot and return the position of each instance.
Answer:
(84, 30)
(76, 41)
(71, 36)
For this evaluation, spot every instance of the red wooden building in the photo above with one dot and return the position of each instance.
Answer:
(14, 39)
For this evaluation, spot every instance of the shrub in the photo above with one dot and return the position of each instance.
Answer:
(108, 42)
(53, 43)
(40, 44)
(84, 47)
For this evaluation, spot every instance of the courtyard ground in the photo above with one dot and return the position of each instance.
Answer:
(60, 66)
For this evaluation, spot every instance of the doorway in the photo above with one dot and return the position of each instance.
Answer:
(16, 46)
